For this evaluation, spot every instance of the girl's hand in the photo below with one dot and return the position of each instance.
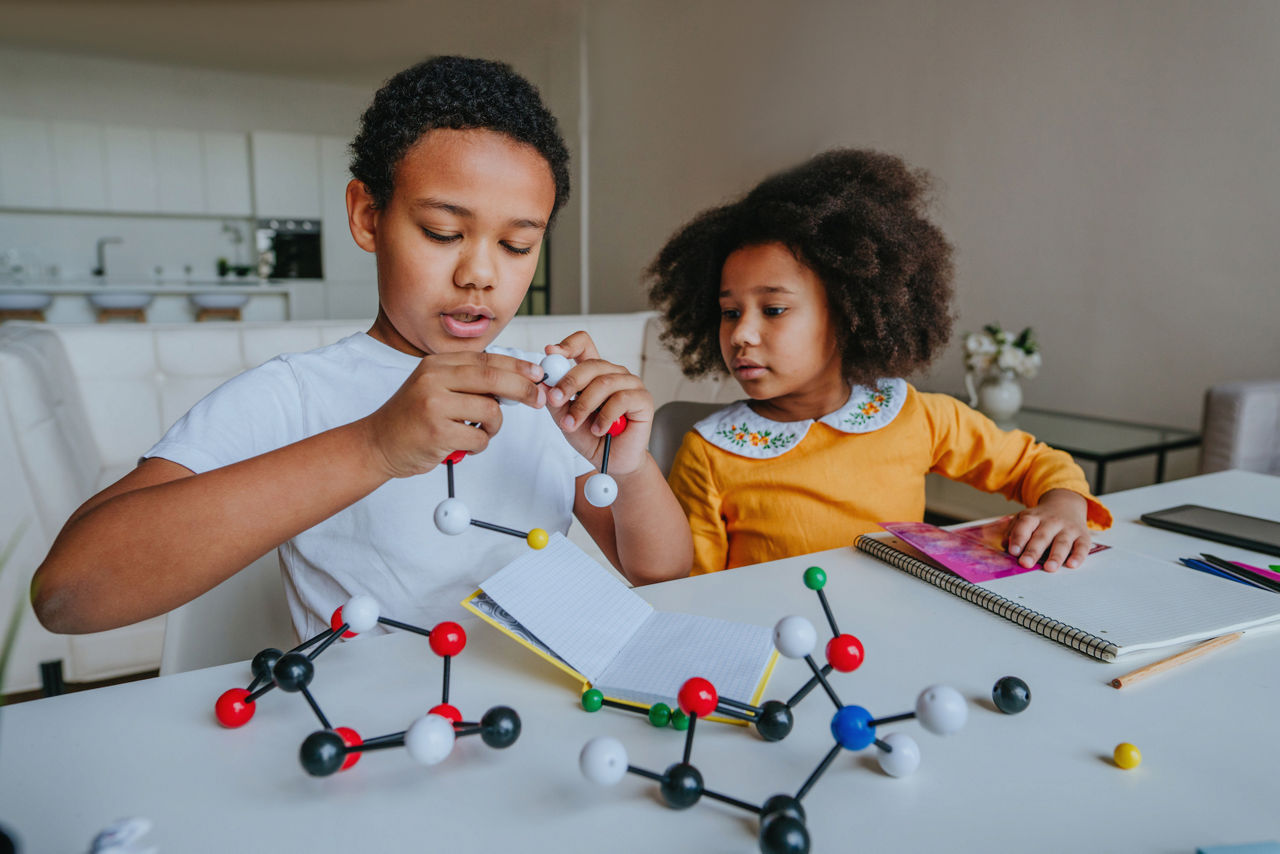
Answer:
(449, 403)
(605, 392)
(1056, 529)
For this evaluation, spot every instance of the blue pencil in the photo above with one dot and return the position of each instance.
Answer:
(1201, 566)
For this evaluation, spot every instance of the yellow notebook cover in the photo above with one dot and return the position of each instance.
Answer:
(571, 611)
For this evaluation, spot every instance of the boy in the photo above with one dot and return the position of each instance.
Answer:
(334, 455)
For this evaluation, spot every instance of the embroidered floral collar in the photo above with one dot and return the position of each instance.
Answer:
(740, 430)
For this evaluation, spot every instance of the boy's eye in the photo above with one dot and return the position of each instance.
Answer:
(440, 238)
(517, 250)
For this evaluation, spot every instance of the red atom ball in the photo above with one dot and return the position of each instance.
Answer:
(618, 426)
(335, 623)
(350, 738)
(845, 653)
(698, 697)
(445, 710)
(455, 457)
(448, 639)
(231, 709)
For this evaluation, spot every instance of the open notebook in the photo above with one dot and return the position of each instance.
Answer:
(1118, 602)
(573, 612)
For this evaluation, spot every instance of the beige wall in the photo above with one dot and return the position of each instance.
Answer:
(1109, 172)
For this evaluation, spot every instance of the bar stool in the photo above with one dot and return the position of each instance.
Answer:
(21, 314)
(203, 314)
(121, 306)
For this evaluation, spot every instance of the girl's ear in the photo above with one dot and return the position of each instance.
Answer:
(362, 216)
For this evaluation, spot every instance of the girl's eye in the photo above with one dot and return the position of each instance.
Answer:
(730, 314)
(517, 250)
(441, 238)
(774, 310)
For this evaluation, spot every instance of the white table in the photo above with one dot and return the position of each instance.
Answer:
(1042, 780)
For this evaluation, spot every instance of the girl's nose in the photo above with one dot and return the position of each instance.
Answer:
(745, 333)
(475, 268)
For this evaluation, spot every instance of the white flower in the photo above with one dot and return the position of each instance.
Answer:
(980, 343)
(1009, 359)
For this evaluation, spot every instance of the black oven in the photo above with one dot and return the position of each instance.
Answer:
(289, 248)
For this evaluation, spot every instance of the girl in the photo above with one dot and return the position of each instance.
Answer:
(817, 291)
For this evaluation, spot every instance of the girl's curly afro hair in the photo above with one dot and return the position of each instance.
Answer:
(457, 93)
(857, 219)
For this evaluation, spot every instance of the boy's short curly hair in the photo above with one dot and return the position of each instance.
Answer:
(456, 93)
(857, 219)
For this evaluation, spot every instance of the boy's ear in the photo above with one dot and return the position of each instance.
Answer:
(362, 216)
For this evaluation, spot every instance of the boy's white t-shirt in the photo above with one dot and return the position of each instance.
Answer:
(385, 545)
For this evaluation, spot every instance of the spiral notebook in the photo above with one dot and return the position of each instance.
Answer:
(1119, 602)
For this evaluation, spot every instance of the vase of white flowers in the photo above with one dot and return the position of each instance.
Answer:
(994, 360)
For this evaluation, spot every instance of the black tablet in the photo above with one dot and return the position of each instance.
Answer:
(1247, 532)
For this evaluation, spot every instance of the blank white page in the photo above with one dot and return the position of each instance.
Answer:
(671, 648)
(1138, 602)
(570, 603)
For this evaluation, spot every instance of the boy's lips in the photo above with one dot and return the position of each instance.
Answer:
(467, 321)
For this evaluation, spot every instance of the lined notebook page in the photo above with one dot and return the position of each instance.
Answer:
(570, 603)
(671, 648)
(1140, 602)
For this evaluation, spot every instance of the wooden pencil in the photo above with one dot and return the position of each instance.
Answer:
(1174, 660)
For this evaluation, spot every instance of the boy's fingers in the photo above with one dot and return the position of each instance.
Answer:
(577, 346)
(584, 376)
(497, 380)
(600, 394)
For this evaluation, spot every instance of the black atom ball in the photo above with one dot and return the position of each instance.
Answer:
(500, 727)
(293, 672)
(774, 721)
(681, 786)
(264, 662)
(1011, 695)
(8, 845)
(778, 805)
(322, 753)
(783, 834)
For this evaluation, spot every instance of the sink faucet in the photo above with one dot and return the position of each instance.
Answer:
(101, 270)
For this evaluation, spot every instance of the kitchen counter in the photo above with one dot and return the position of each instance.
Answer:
(169, 301)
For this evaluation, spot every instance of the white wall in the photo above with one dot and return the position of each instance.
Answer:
(1108, 172)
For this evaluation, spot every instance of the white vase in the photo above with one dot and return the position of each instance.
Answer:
(998, 396)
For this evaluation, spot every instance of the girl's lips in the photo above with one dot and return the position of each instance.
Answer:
(466, 325)
(748, 371)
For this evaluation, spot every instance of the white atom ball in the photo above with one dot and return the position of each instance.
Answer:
(452, 516)
(941, 710)
(555, 366)
(360, 613)
(603, 760)
(904, 759)
(429, 739)
(601, 490)
(794, 637)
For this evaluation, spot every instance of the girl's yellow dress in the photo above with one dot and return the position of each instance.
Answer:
(757, 490)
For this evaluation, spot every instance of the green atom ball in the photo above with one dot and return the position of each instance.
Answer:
(815, 578)
(592, 700)
(679, 720)
(660, 714)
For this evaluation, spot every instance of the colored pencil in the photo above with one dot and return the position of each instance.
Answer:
(1174, 660)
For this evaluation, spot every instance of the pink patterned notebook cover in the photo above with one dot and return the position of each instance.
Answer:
(976, 553)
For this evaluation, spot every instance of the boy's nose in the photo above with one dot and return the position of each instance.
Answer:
(475, 270)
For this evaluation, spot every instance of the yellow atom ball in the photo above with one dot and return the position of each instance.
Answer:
(1127, 756)
(538, 538)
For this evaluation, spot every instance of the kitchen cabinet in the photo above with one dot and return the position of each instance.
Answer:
(79, 166)
(132, 183)
(226, 174)
(286, 175)
(26, 163)
(179, 171)
(344, 261)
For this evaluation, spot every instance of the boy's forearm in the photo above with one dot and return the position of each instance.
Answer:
(651, 531)
(143, 552)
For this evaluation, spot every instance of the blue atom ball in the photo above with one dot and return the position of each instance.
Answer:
(850, 728)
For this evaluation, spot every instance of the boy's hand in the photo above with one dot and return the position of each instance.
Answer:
(605, 393)
(449, 403)
(1056, 529)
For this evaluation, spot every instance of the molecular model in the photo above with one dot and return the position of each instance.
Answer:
(428, 739)
(452, 516)
(938, 708)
